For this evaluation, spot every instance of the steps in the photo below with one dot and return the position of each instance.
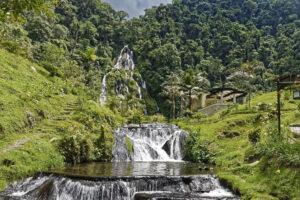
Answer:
(49, 126)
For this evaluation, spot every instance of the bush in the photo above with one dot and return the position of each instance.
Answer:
(136, 118)
(196, 150)
(77, 148)
(10, 46)
(298, 107)
(264, 106)
(157, 118)
(278, 149)
(54, 71)
(254, 136)
(199, 116)
(187, 113)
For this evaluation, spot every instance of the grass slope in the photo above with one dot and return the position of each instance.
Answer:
(271, 177)
(59, 111)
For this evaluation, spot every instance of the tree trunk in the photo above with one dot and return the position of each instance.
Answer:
(173, 106)
(190, 94)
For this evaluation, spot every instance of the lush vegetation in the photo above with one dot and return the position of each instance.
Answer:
(54, 54)
(249, 155)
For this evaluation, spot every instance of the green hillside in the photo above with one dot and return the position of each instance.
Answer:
(41, 115)
(268, 169)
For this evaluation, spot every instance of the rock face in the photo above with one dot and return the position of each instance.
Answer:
(150, 142)
(54, 187)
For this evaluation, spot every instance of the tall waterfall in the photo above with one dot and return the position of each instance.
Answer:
(150, 142)
(125, 61)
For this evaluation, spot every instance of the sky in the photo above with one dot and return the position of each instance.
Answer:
(135, 7)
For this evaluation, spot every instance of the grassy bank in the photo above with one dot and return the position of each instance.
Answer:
(40, 113)
(266, 169)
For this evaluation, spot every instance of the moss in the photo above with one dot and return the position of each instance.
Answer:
(129, 145)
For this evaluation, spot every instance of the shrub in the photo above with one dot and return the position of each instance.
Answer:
(279, 149)
(297, 116)
(254, 136)
(286, 95)
(196, 150)
(54, 71)
(187, 113)
(77, 148)
(199, 116)
(10, 46)
(298, 107)
(136, 118)
(157, 118)
(264, 106)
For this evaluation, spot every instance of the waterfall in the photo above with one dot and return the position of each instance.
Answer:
(56, 187)
(128, 180)
(150, 142)
(103, 95)
(124, 61)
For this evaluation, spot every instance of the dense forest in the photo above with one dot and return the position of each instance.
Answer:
(214, 39)
(54, 55)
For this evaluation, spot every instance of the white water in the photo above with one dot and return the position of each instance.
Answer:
(150, 142)
(124, 61)
(103, 96)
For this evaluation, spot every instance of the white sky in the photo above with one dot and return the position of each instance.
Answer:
(135, 7)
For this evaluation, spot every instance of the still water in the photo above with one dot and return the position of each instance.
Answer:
(132, 169)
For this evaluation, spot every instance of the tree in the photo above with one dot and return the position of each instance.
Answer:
(88, 57)
(16, 9)
(194, 84)
(171, 88)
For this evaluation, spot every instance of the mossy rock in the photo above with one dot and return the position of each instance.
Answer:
(129, 145)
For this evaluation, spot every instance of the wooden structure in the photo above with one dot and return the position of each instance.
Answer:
(283, 82)
(222, 95)
(216, 100)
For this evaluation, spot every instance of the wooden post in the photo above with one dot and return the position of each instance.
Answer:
(278, 108)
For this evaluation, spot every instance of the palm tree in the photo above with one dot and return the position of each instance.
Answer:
(87, 57)
(194, 84)
(171, 88)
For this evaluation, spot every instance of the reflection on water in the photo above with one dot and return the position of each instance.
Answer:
(132, 169)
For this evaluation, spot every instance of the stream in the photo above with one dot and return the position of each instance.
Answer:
(152, 170)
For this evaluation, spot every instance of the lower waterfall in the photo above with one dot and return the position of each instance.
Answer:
(151, 168)
(150, 142)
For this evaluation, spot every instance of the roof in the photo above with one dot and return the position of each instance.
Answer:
(288, 79)
(227, 93)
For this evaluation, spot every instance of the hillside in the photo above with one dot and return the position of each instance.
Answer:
(65, 87)
(46, 121)
(268, 169)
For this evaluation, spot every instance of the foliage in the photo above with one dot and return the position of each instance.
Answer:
(10, 46)
(279, 149)
(254, 136)
(157, 118)
(15, 9)
(129, 145)
(264, 106)
(76, 148)
(136, 117)
(54, 71)
(197, 150)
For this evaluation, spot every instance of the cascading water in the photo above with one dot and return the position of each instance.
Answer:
(124, 61)
(150, 142)
(166, 177)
